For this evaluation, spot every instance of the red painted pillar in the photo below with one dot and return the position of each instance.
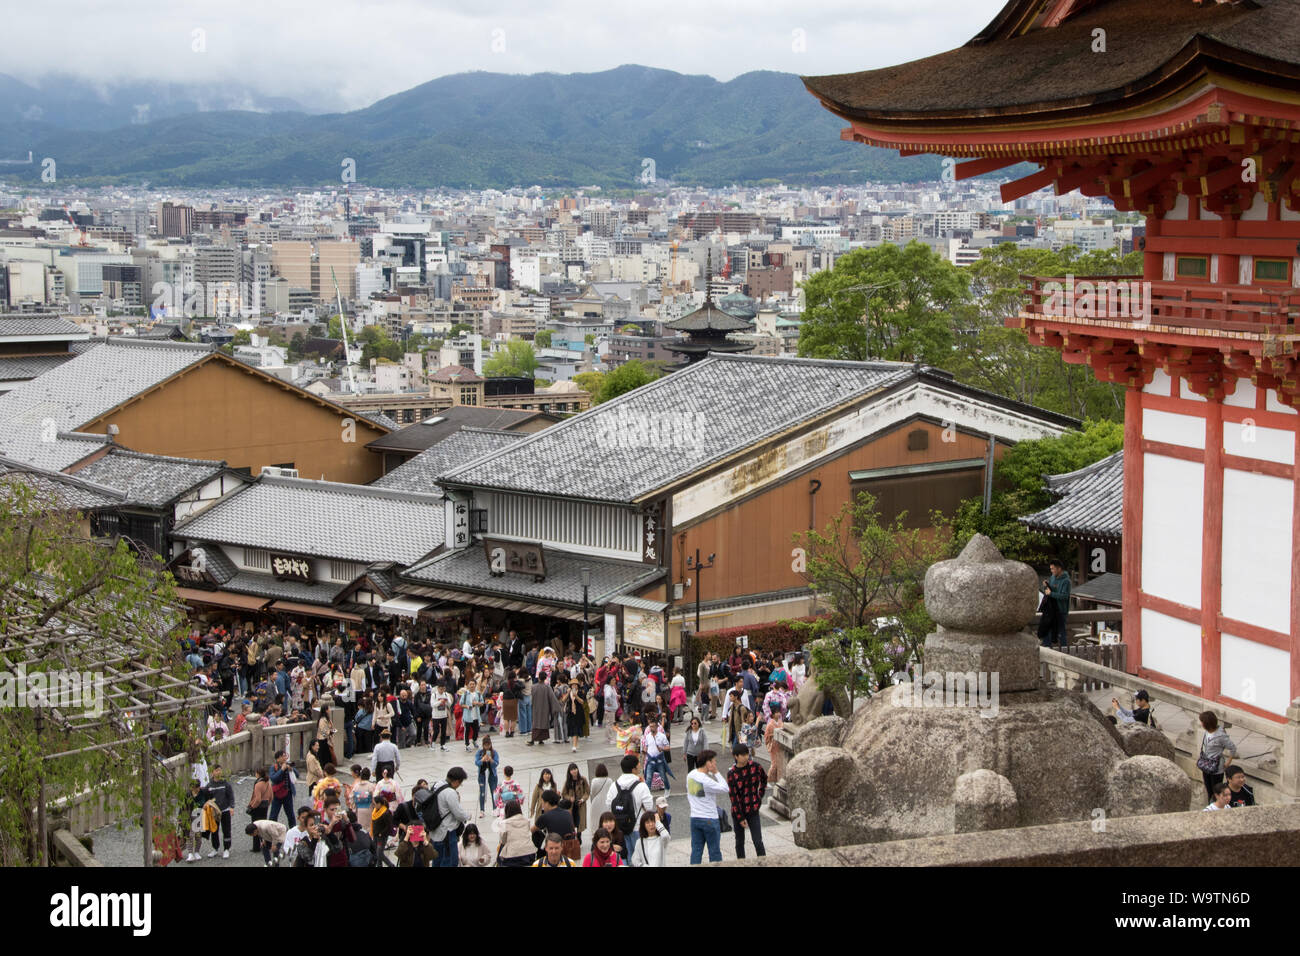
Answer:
(1153, 263)
(1212, 552)
(1295, 574)
(1132, 563)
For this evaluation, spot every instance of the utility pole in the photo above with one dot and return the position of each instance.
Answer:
(866, 306)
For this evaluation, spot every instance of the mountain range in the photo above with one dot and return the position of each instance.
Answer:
(611, 129)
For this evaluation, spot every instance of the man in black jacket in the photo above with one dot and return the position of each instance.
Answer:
(515, 652)
(220, 792)
(423, 712)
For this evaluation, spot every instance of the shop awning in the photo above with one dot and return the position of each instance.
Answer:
(503, 604)
(405, 606)
(315, 610)
(244, 602)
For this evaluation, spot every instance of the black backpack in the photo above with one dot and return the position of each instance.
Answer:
(623, 806)
(430, 812)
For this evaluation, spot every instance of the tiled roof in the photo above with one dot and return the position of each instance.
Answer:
(447, 421)
(1031, 71)
(82, 389)
(468, 569)
(652, 436)
(462, 448)
(41, 324)
(266, 585)
(1091, 501)
(326, 519)
(456, 373)
(60, 491)
(150, 480)
(20, 368)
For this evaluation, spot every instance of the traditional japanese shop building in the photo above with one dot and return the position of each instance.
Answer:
(310, 549)
(728, 458)
(1189, 113)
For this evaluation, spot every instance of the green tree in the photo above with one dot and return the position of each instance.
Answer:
(1002, 360)
(870, 572)
(65, 600)
(460, 328)
(376, 344)
(242, 337)
(415, 342)
(629, 375)
(296, 345)
(542, 339)
(589, 382)
(589, 339)
(1019, 489)
(911, 297)
(516, 360)
(335, 327)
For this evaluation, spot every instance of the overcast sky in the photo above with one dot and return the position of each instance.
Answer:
(349, 53)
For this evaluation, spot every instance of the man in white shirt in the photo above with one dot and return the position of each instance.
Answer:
(655, 744)
(642, 801)
(703, 786)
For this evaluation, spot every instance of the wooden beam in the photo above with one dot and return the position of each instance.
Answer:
(978, 167)
(1028, 184)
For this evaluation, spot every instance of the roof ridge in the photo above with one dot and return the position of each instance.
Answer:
(13, 465)
(486, 431)
(122, 449)
(343, 488)
(158, 344)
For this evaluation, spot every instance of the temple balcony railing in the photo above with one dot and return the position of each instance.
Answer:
(1162, 306)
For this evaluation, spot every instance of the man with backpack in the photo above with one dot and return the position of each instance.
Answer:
(628, 799)
(445, 817)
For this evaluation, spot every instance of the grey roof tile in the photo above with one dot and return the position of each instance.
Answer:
(468, 569)
(56, 490)
(326, 519)
(265, 585)
(1091, 501)
(83, 388)
(42, 324)
(466, 445)
(151, 480)
(652, 436)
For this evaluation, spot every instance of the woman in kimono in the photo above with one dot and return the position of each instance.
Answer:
(545, 708)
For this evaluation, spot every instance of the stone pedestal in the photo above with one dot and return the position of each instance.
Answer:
(978, 742)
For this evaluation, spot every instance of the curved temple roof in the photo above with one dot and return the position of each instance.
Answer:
(1036, 62)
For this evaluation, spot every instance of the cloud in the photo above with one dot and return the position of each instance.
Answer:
(344, 54)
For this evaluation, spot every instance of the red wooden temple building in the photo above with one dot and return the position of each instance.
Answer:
(1188, 112)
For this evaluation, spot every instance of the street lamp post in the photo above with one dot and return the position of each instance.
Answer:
(694, 564)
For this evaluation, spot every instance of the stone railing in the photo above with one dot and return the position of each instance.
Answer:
(237, 754)
(1280, 768)
(67, 850)
(1257, 836)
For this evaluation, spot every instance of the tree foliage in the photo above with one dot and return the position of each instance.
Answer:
(906, 311)
(517, 360)
(631, 374)
(1019, 489)
(919, 307)
(72, 593)
(871, 574)
(542, 339)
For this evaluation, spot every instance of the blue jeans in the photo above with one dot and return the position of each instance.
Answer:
(661, 765)
(525, 716)
(705, 832)
(448, 851)
(487, 784)
(276, 804)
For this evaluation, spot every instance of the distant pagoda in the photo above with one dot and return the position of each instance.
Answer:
(708, 328)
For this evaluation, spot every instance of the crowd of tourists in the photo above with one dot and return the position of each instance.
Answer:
(399, 691)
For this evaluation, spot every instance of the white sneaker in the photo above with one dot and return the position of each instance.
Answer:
(211, 854)
(191, 857)
(225, 854)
